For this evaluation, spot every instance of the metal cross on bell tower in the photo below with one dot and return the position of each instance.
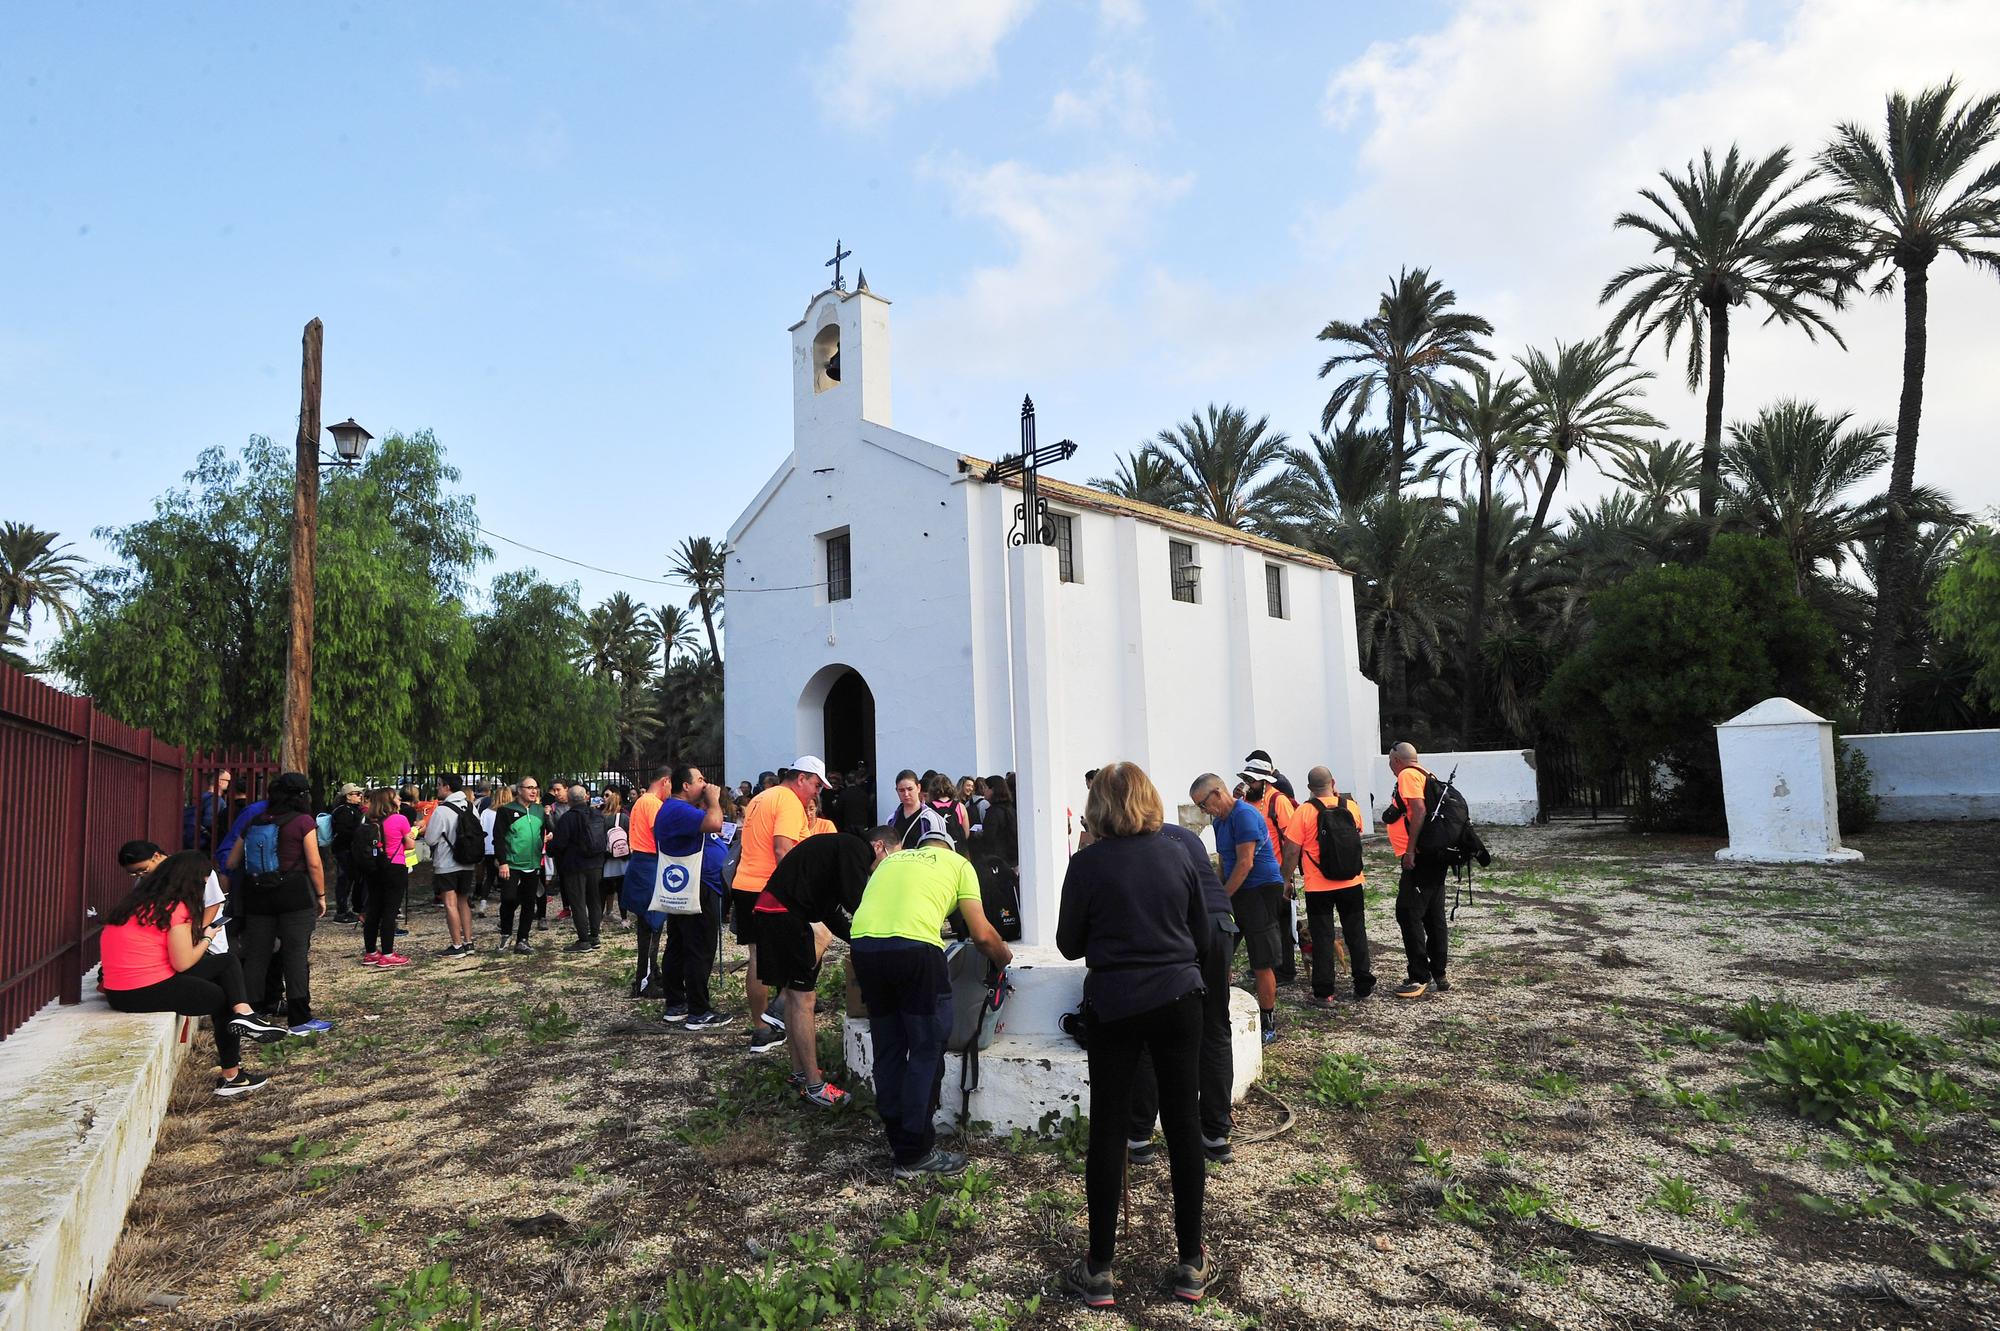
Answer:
(839, 283)
(1031, 515)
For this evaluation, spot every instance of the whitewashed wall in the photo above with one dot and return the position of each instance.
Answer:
(1498, 785)
(1940, 774)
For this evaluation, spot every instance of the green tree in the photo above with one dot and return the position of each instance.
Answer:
(1899, 205)
(1399, 552)
(617, 639)
(35, 571)
(1415, 340)
(669, 626)
(702, 564)
(1583, 400)
(541, 714)
(1660, 475)
(1220, 459)
(1339, 473)
(1145, 476)
(1789, 473)
(1726, 235)
(1966, 609)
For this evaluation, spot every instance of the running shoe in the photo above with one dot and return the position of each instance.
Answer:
(764, 1038)
(317, 1026)
(708, 1021)
(1142, 1153)
(1322, 1003)
(562, 914)
(940, 1162)
(825, 1095)
(580, 945)
(263, 1032)
(1217, 1150)
(521, 948)
(1411, 989)
(371, 958)
(245, 1080)
(773, 1020)
(391, 960)
(1093, 1287)
(675, 1012)
(1191, 1279)
(1439, 983)
(1270, 1035)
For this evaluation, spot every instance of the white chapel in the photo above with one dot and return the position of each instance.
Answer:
(876, 613)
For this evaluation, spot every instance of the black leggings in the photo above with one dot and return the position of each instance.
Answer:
(1171, 1033)
(385, 903)
(211, 988)
(525, 889)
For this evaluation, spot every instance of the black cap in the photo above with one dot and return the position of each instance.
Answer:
(291, 783)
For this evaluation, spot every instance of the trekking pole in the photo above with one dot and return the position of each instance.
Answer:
(1125, 1202)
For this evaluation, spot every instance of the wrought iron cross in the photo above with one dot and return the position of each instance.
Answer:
(839, 284)
(1031, 515)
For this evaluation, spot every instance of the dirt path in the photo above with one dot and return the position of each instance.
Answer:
(573, 1161)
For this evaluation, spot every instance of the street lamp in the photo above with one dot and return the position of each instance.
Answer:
(349, 441)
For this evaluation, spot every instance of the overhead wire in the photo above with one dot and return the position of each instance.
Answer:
(635, 577)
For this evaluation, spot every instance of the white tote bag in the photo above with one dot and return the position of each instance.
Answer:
(677, 885)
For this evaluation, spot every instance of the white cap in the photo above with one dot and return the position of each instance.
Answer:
(807, 763)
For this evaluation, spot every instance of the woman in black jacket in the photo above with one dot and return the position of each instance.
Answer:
(1133, 909)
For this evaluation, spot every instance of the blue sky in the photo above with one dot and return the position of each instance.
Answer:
(570, 238)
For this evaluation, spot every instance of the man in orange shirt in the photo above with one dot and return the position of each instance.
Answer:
(1331, 865)
(1260, 790)
(1420, 894)
(774, 822)
(642, 868)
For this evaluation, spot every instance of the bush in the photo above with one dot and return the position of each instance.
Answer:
(1854, 783)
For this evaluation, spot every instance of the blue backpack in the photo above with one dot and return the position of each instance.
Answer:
(260, 850)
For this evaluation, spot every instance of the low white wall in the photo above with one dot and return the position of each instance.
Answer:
(1498, 785)
(1938, 774)
(82, 1093)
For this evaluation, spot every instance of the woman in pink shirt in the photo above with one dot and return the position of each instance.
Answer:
(392, 878)
(156, 961)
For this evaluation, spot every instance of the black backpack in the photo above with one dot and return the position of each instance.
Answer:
(596, 838)
(1000, 895)
(1446, 817)
(468, 837)
(367, 852)
(1339, 841)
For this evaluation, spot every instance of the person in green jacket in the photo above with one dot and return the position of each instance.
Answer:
(520, 831)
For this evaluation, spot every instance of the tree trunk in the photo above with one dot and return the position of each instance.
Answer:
(1892, 576)
(295, 738)
(1711, 435)
(1395, 674)
(1475, 627)
(708, 622)
(1399, 413)
(1541, 521)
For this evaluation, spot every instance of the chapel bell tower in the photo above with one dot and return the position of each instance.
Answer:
(840, 361)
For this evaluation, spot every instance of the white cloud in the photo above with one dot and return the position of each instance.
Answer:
(1497, 149)
(914, 48)
(1117, 97)
(1121, 13)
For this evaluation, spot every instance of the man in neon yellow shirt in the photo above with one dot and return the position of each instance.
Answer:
(897, 943)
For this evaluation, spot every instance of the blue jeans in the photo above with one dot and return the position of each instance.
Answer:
(908, 995)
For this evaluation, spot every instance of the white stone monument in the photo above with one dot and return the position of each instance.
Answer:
(1778, 787)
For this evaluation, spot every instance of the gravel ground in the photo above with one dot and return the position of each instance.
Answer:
(570, 1157)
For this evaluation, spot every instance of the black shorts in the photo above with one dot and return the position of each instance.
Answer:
(1259, 911)
(787, 951)
(741, 913)
(458, 880)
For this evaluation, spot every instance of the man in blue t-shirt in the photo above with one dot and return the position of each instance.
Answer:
(682, 827)
(1254, 882)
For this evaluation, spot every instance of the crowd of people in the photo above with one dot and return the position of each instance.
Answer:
(786, 865)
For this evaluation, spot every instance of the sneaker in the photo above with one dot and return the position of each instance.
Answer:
(479, 909)
(773, 1020)
(939, 1161)
(708, 1021)
(521, 949)
(451, 951)
(1142, 1153)
(263, 1032)
(1322, 1003)
(1217, 1150)
(764, 1038)
(675, 1012)
(580, 945)
(401, 932)
(825, 1095)
(244, 1080)
(1411, 989)
(1361, 991)
(562, 914)
(390, 960)
(1191, 1279)
(1441, 984)
(317, 1026)
(1270, 1034)
(1094, 1289)
(371, 959)
(346, 917)
(542, 925)
(653, 989)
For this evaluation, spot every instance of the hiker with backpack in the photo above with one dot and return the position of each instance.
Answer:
(457, 843)
(1419, 821)
(280, 896)
(350, 896)
(1324, 837)
(581, 843)
(520, 832)
(382, 848)
(617, 854)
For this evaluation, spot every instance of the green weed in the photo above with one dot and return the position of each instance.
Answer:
(427, 1299)
(1967, 1258)
(1697, 1291)
(1462, 1206)
(548, 1023)
(1675, 1195)
(1438, 1160)
(254, 1291)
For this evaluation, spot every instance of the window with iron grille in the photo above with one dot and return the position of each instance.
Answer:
(839, 567)
(1065, 531)
(1183, 570)
(1274, 590)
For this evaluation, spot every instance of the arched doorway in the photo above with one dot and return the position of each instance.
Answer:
(837, 718)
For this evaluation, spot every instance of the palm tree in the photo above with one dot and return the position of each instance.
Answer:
(35, 571)
(1788, 471)
(1340, 472)
(615, 638)
(1488, 422)
(1219, 460)
(1147, 476)
(1660, 474)
(1725, 236)
(1403, 352)
(670, 626)
(1896, 206)
(636, 717)
(1398, 551)
(1583, 401)
(700, 563)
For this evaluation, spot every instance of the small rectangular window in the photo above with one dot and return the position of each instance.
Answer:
(1186, 574)
(1274, 590)
(1065, 530)
(839, 567)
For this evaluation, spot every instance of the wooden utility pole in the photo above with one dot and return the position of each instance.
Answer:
(295, 741)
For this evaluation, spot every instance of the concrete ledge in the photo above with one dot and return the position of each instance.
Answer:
(82, 1093)
(1939, 775)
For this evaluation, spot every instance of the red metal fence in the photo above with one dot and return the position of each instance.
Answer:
(74, 786)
